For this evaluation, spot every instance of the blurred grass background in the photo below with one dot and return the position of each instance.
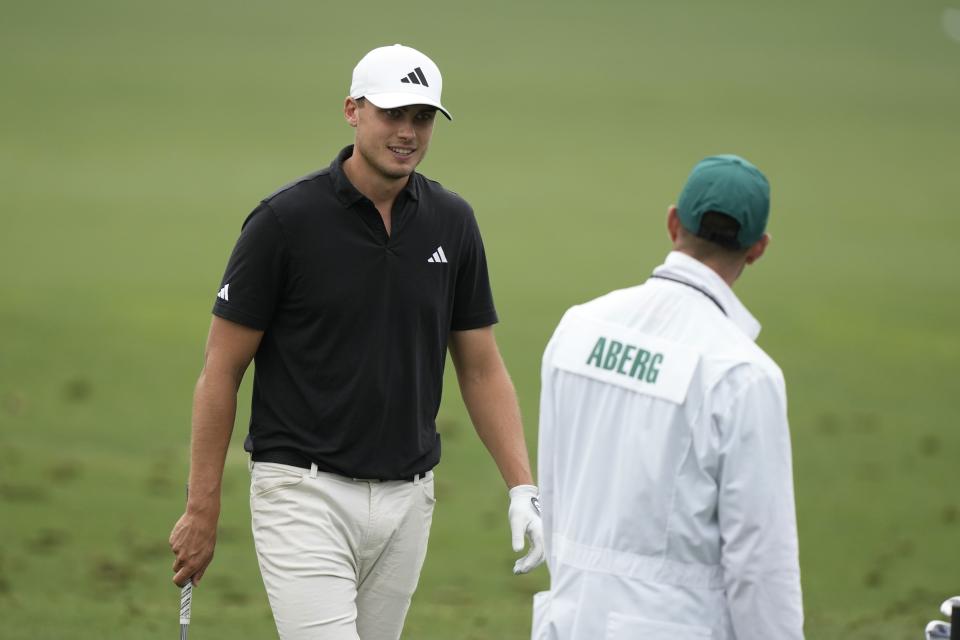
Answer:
(135, 137)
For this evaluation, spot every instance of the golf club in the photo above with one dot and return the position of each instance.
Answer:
(186, 599)
(937, 630)
(951, 608)
(948, 605)
(186, 595)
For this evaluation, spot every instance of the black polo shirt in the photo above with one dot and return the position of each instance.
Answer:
(350, 368)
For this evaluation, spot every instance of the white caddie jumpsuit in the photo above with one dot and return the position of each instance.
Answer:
(665, 470)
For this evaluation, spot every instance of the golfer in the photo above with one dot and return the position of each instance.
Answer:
(664, 459)
(346, 288)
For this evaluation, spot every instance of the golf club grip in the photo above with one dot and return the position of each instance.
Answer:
(955, 623)
(186, 597)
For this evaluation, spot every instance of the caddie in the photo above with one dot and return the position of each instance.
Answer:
(664, 460)
(347, 287)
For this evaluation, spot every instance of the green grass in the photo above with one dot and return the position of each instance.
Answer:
(136, 136)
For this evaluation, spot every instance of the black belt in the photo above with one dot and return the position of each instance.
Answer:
(297, 459)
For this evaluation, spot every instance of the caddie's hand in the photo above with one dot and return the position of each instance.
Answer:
(525, 520)
(192, 541)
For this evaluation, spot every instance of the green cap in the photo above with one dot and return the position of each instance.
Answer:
(730, 185)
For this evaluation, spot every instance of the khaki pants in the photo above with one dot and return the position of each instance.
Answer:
(340, 558)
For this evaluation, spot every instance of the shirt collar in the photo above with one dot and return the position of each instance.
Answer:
(682, 266)
(348, 193)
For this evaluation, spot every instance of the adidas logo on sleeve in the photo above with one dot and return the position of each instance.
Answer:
(224, 293)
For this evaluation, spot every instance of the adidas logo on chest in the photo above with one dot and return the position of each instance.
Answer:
(438, 256)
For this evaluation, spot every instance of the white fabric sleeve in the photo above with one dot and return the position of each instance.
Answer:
(756, 511)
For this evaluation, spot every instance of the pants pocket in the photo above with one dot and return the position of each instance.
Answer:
(541, 612)
(553, 617)
(269, 477)
(623, 627)
(427, 487)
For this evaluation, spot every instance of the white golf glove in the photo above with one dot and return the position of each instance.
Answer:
(524, 515)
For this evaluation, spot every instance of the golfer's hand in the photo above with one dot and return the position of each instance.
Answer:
(192, 541)
(525, 520)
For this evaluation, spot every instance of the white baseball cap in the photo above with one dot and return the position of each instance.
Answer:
(398, 76)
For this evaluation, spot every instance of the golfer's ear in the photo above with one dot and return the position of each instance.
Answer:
(755, 252)
(350, 109)
(673, 223)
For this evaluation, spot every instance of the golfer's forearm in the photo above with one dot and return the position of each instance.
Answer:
(214, 410)
(492, 404)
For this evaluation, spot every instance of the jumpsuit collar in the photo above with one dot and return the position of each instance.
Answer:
(681, 266)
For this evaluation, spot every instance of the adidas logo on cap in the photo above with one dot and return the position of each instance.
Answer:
(416, 77)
